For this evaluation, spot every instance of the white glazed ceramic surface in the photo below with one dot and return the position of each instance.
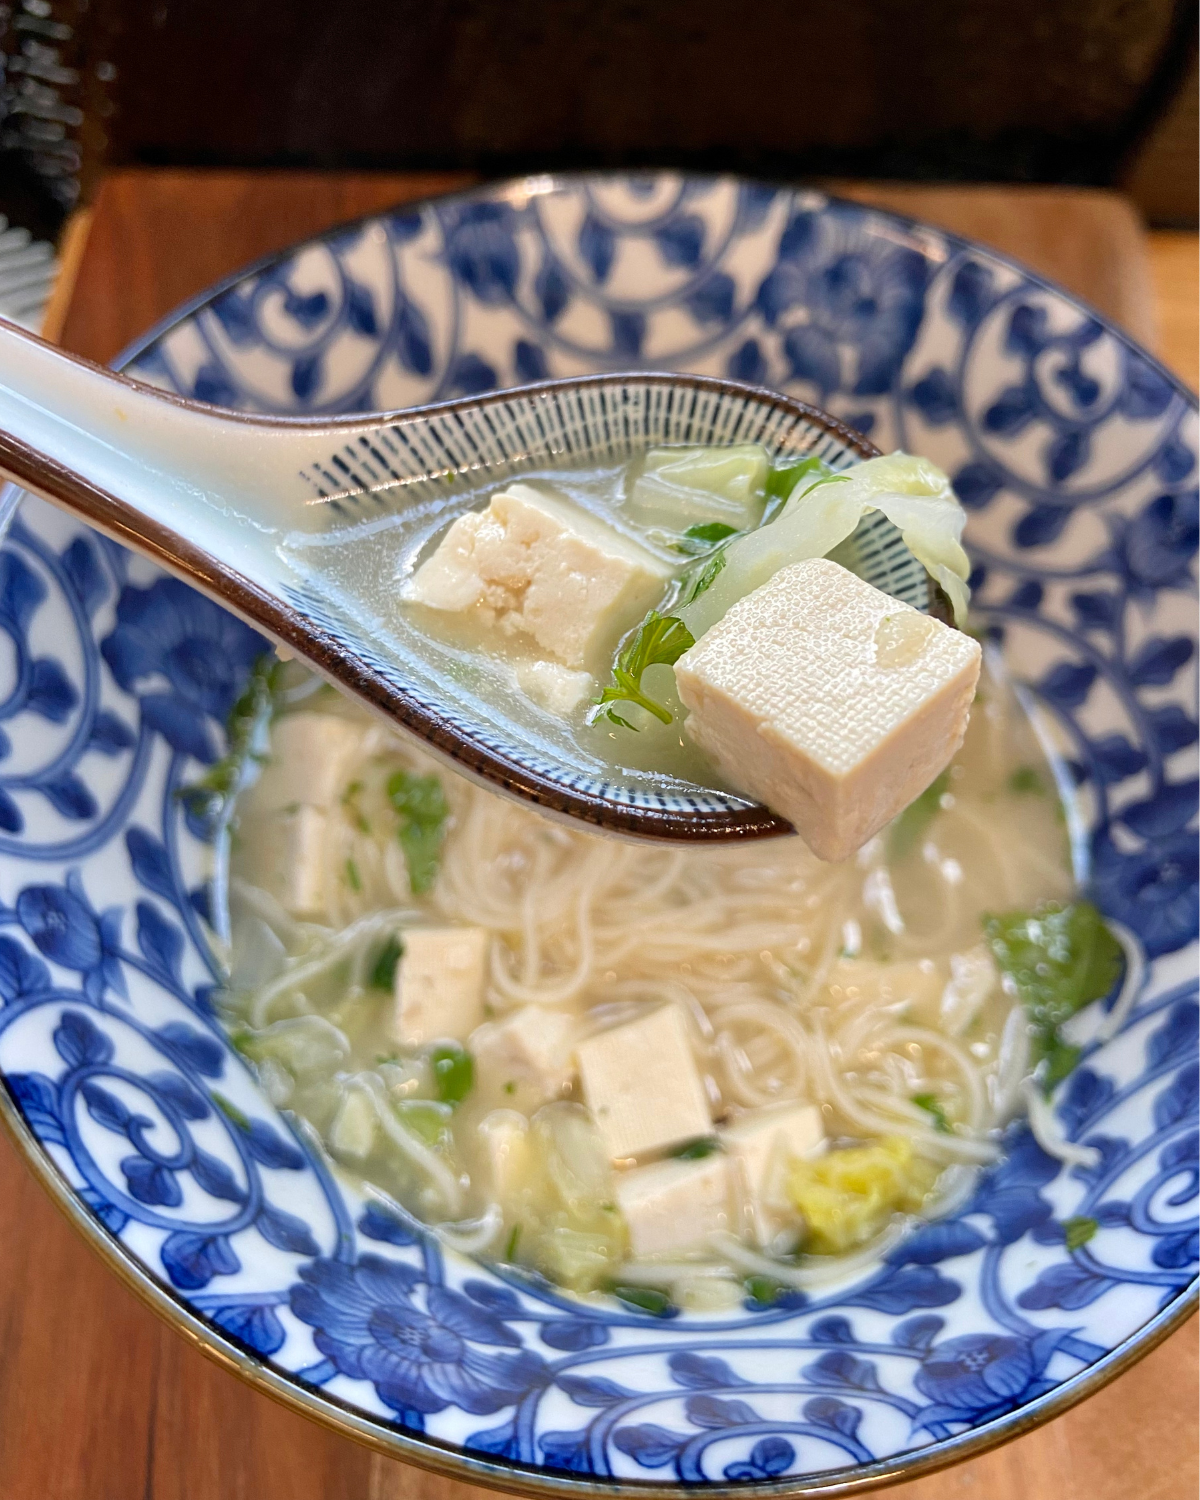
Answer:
(1075, 455)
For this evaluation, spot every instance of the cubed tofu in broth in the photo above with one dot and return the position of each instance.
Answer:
(671, 1207)
(641, 1083)
(439, 984)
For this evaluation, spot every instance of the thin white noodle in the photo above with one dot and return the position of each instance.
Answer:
(1048, 1132)
(443, 1179)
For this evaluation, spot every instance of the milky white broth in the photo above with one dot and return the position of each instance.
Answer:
(840, 985)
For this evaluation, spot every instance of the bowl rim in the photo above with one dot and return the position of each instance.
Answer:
(444, 1458)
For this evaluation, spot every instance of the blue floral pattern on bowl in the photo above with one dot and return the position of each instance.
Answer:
(1076, 455)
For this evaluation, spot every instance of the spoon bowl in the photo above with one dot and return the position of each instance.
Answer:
(242, 507)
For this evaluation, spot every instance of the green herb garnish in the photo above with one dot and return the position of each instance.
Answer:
(783, 478)
(1060, 958)
(353, 878)
(909, 828)
(211, 797)
(1026, 781)
(646, 1299)
(932, 1105)
(453, 1073)
(700, 539)
(230, 1110)
(1078, 1231)
(421, 806)
(703, 581)
(510, 1250)
(764, 1290)
(383, 970)
(350, 802)
(702, 1146)
(659, 640)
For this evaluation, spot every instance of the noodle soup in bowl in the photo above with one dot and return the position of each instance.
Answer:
(553, 1161)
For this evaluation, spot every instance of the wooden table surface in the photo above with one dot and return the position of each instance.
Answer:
(99, 1400)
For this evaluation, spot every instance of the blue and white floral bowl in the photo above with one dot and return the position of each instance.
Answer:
(1076, 455)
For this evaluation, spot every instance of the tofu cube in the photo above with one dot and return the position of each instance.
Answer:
(642, 1086)
(673, 1206)
(287, 853)
(440, 982)
(310, 755)
(529, 1050)
(828, 700)
(758, 1141)
(536, 567)
(555, 688)
(504, 1139)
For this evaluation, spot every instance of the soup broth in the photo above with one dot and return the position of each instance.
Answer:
(873, 995)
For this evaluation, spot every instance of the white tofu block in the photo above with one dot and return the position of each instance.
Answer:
(531, 1048)
(557, 689)
(440, 981)
(288, 852)
(310, 756)
(642, 1086)
(539, 568)
(759, 1140)
(504, 1139)
(353, 1130)
(673, 1206)
(828, 700)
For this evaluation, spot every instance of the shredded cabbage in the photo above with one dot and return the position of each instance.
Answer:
(914, 494)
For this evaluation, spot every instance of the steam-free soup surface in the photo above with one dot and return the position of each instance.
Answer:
(860, 1022)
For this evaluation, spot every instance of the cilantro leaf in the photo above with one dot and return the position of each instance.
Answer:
(783, 477)
(909, 827)
(421, 806)
(704, 579)
(658, 640)
(1059, 958)
(699, 539)
(383, 970)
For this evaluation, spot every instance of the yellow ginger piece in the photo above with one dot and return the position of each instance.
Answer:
(846, 1197)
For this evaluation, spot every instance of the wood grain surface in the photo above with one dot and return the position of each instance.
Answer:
(99, 1400)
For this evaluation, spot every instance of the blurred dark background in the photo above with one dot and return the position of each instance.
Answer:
(1092, 92)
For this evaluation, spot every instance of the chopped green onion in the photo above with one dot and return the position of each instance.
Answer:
(453, 1073)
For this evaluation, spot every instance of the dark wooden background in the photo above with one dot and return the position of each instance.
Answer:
(99, 1400)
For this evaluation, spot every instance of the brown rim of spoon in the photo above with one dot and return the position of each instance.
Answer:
(327, 654)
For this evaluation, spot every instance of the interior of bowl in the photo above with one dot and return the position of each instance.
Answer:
(1075, 454)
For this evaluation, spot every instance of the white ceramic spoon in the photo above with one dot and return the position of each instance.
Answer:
(238, 505)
